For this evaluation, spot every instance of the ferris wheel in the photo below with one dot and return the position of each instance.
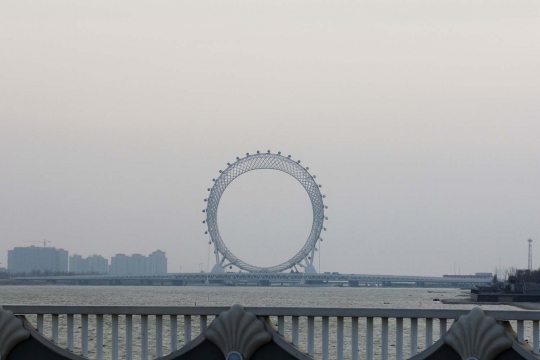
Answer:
(305, 256)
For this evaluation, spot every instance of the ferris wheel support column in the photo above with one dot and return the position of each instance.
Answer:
(310, 269)
(217, 269)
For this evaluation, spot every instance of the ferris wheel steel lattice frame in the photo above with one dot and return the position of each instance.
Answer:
(305, 256)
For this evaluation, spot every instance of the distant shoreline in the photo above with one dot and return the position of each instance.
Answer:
(519, 305)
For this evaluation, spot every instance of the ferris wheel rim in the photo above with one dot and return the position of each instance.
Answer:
(267, 161)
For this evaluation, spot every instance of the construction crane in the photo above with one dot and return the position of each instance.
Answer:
(44, 242)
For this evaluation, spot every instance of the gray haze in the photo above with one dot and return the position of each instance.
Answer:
(420, 118)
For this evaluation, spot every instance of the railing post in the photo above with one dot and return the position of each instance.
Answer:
(429, 332)
(442, 328)
(369, 338)
(535, 337)
(114, 335)
(84, 335)
(325, 336)
(174, 332)
(295, 321)
(187, 329)
(281, 325)
(70, 331)
(144, 337)
(129, 337)
(521, 331)
(340, 338)
(414, 337)
(99, 336)
(40, 323)
(203, 319)
(399, 338)
(311, 335)
(354, 340)
(55, 328)
(159, 336)
(384, 339)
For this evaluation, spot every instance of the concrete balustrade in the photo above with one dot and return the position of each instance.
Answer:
(148, 332)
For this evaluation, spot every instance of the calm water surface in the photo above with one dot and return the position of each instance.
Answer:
(225, 296)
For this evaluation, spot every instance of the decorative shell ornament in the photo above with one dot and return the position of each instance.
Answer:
(12, 332)
(476, 336)
(237, 333)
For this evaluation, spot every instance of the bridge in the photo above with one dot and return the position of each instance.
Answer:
(266, 279)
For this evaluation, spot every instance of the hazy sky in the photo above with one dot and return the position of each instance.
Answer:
(420, 118)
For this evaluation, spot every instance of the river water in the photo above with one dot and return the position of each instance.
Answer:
(228, 295)
(247, 296)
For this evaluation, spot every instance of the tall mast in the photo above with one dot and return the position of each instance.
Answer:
(530, 255)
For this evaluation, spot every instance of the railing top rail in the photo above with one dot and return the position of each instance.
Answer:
(270, 311)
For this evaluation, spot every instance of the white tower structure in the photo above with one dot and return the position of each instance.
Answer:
(530, 255)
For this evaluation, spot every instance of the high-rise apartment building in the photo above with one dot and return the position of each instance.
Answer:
(138, 264)
(120, 264)
(28, 259)
(155, 263)
(76, 264)
(97, 264)
(91, 265)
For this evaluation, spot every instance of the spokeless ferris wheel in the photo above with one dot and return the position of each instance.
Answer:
(305, 256)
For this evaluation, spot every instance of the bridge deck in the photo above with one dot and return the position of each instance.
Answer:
(276, 277)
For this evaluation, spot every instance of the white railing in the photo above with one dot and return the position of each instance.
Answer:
(147, 332)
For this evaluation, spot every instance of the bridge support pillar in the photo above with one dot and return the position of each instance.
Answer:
(353, 283)
(264, 283)
(177, 282)
(420, 284)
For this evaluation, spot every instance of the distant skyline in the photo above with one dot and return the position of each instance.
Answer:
(420, 119)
